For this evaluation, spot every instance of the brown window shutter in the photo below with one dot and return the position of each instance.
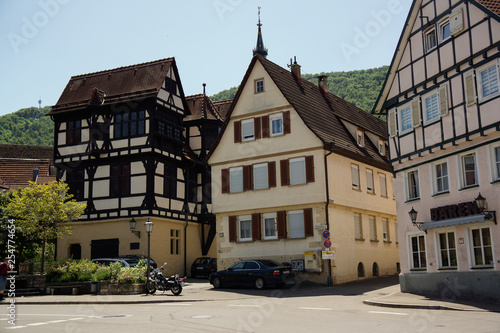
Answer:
(257, 128)
(285, 172)
(286, 122)
(225, 180)
(310, 169)
(247, 177)
(308, 222)
(281, 219)
(265, 126)
(256, 226)
(271, 174)
(237, 131)
(233, 231)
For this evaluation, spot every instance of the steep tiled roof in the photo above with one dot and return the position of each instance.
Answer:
(493, 5)
(222, 107)
(115, 85)
(201, 107)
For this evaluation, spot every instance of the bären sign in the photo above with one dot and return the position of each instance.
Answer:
(454, 211)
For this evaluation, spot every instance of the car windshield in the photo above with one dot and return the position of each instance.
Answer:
(202, 261)
(269, 263)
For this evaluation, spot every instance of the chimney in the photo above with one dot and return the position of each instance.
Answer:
(295, 68)
(35, 174)
(323, 84)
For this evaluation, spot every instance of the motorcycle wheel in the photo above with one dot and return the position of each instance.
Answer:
(151, 287)
(176, 290)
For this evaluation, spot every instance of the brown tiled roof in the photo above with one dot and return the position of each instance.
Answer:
(114, 85)
(323, 114)
(222, 107)
(492, 5)
(26, 151)
(17, 172)
(201, 107)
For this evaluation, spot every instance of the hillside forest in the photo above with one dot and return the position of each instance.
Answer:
(31, 126)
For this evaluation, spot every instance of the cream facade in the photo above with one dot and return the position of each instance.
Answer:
(442, 100)
(278, 187)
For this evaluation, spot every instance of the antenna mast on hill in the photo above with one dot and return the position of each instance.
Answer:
(40, 102)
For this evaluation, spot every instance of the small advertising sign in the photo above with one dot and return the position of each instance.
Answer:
(328, 255)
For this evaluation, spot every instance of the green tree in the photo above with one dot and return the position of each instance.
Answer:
(41, 211)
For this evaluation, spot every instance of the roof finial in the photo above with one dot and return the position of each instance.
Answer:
(260, 49)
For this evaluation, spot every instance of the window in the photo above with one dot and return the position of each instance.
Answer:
(385, 225)
(129, 124)
(355, 177)
(497, 162)
(245, 228)
(259, 86)
(270, 226)
(430, 39)
(444, 30)
(488, 82)
(482, 254)
(175, 241)
(297, 171)
(236, 179)
(469, 174)
(418, 259)
(441, 178)
(373, 228)
(360, 138)
(170, 182)
(431, 107)
(170, 85)
(383, 185)
(405, 119)
(276, 124)
(260, 176)
(381, 147)
(296, 224)
(369, 181)
(76, 183)
(413, 191)
(120, 180)
(247, 130)
(73, 132)
(358, 228)
(447, 250)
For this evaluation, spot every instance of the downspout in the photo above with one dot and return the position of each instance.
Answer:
(329, 278)
(186, 211)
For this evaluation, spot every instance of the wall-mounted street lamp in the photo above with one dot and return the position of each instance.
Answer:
(481, 204)
(413, 217)
(132, 225)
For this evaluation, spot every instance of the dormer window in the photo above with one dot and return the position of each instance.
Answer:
(360, 138)
(381, 147)
(259, 86)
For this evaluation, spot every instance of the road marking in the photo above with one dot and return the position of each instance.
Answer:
(320, 309)
(37, 324)
(14, 327)
(58, 321)
(391, 313)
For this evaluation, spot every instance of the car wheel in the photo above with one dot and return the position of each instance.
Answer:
(259, 283)
(217, 283)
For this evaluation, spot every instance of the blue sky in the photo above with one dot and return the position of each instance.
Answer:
(45, 42)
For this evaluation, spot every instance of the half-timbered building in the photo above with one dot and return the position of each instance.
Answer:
(120, 145)
(442, 101)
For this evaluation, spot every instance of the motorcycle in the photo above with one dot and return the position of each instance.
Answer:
(158, 281)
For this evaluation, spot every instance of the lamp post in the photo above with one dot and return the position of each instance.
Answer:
(132, 225)
(148, 225)
(413, 217)
(481, 204)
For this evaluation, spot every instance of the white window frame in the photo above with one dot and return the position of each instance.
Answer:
(358, 227)
(495, 160)
(300, 177)
(373, 228)
(247, 219)
(480, 91)
(383, 184)
(386, 231)
(275, 117)
(417, 185)
(463, 171)
(259, 86)
(419, 251)
(427, 33)
(443, 23)
(402, 116)
(235, 184)
(247, 123)
(257, 176)
(437, 113)
(370, 183)
(448, 249)
(292, 215)
(482, 246)
(436, 177)
(355, 176)
(273, 217)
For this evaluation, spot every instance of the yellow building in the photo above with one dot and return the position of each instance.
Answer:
(295, 168)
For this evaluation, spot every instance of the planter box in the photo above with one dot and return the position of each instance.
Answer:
(126, 289)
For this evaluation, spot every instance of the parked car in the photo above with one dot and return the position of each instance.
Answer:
(152, 263)
(203, 266)
(257, 273)
(109, 261)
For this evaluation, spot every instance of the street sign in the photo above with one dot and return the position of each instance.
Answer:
(320, 227)
(326, 234)
(328, 255)
(327, 244)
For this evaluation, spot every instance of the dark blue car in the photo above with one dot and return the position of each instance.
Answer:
(254, 273)
(203, 266)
